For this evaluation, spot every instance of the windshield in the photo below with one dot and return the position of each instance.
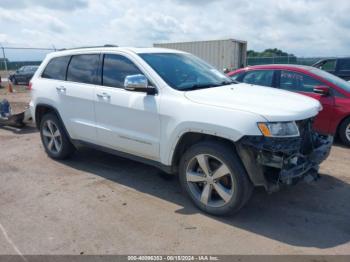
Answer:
(184, 71)
(333, 79)
(31, 68)
(28, 69)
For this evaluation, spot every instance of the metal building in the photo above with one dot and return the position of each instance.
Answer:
(222, 54)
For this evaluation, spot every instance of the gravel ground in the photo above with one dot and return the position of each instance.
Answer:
(96, 203)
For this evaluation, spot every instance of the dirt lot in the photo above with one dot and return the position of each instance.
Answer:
(97, 203)
(19, 99)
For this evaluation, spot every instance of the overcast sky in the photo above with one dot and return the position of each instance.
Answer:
(302, 27)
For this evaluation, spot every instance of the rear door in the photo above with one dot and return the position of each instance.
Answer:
(53, 79)
(77, 96)
(305, 84)
(126, 121)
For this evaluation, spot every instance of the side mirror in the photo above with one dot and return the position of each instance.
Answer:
(322, 90)
(138, 83)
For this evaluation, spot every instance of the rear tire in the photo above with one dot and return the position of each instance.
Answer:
(54, 137)
(222, 187)
(344, 132)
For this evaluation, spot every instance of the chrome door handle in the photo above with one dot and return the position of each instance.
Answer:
(104, 95)
(61, 89)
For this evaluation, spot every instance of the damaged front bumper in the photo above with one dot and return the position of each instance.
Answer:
(274, 162)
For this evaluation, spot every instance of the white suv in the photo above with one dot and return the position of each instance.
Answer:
(174, 111)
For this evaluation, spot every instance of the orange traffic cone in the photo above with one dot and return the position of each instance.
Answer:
(9, 87)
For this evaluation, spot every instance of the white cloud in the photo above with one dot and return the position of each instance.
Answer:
(3, 37)
(302, 27)
(50, 4)
(139, 29)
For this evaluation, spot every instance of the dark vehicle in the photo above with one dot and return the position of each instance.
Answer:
(336, 66)
(23, 75)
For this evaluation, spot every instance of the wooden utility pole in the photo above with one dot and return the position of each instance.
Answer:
(3, 54)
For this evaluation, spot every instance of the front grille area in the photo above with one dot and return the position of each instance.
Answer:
(306, 135)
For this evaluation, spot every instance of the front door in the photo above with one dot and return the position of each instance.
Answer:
(126, 121)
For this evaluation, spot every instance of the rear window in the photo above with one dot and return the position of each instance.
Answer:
(83, 68)
(56, 68)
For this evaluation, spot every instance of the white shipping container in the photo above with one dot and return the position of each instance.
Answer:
(222, 54)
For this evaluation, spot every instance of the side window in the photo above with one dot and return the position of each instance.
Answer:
(259, 77)
(83, 68)
(294, 81)
(329, 65)
(56, 68)
(115, 69)
(344, 64)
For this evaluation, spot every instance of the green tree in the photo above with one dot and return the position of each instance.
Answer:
(271, 52)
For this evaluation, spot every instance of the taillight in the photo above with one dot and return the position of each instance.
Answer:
(30, 86)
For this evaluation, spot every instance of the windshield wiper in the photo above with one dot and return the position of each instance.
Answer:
(203, 86)
(225, 83)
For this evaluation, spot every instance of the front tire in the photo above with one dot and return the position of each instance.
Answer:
(54, 138)
(214, 178)
(344, 132)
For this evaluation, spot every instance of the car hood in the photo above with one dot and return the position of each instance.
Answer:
(271, 103)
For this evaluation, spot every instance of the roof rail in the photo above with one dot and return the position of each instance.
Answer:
(83, 47)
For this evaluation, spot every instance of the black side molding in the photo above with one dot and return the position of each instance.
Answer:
(164, 168)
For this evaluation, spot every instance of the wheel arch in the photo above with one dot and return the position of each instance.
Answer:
(187, 139)
(42, 109)
(340, 123)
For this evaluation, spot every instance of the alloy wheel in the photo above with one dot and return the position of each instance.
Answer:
(52, 137)
(209, 180)
(347, 132)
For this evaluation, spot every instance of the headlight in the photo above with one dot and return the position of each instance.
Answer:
(279, 129)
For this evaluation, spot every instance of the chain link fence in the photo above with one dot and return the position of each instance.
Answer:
(283, 60)
(13, 58)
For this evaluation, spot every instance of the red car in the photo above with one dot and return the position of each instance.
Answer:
(332, 92)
